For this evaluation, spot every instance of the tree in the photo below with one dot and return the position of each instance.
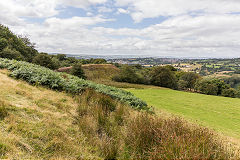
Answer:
(3, 43)
(61, 57)
(127, 74)
(164, 77)
(44, 59)
(206, 87)
(78, 71)
(16, 43)
(11, 54)
(171, 68)
(188, 80)
(211, 86)
(56, 63)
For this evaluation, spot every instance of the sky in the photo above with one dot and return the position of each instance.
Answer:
(163, 28)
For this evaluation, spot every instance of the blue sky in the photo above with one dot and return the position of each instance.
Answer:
(163, 28)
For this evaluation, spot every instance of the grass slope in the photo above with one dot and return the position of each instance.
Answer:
(220, 113)
(37, 123)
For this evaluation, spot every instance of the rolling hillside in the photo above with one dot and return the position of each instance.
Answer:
(37, 123)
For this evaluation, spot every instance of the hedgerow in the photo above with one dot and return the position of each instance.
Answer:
(37, 75)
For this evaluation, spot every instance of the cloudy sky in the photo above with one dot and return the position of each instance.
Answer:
(165, 28)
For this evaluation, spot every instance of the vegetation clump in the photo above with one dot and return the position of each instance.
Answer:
(38, 75)
(3, 110)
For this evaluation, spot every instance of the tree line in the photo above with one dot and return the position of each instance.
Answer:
(170, 77)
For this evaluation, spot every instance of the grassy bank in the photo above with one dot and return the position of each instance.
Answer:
(37, 123)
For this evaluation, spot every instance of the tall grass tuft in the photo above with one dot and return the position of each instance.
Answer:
(96, 122)
(3, 110)
(149, 137)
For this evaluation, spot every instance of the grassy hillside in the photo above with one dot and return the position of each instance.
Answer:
(38, 123)
(220, 113)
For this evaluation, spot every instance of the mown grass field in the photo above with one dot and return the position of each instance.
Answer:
(219, 113)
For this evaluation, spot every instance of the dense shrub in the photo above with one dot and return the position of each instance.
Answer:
(38, 75)
(230, 92)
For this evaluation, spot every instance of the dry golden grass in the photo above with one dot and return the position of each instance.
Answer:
(39, 123)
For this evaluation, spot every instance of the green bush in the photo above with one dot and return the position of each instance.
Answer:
(78, 71)
(44, 60)
(37, 75)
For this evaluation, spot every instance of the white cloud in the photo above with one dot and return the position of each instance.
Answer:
(26, 8)
(211, 32)
(104, 9)
(74, 22)
(122, 11)
(207, 35)
(81, 3)
(141, 9)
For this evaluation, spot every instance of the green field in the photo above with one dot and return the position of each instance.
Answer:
(219, 113)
